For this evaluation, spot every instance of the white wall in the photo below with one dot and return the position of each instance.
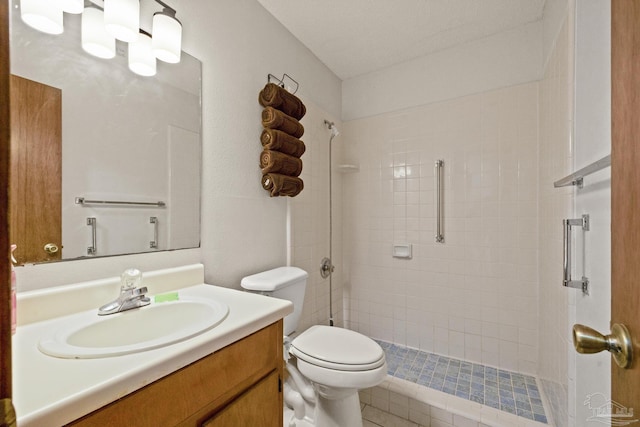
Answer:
(554, 205)
(575, 116)
(475, 296)
(504, 59)
(592, 373)
(555, 13)
(239, 43)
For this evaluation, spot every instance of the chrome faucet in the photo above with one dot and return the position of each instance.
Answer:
(132, 295)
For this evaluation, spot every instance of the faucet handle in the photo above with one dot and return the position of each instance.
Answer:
(131, 278)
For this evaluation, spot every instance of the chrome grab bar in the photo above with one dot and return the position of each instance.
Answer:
(567, 281)
(84, 202)
(154, 243)
(577, 178)
(439, 166)
(93, 249)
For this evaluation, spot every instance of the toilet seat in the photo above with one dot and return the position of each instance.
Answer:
(337, 348)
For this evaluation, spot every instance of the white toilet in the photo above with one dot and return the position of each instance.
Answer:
(331, 364)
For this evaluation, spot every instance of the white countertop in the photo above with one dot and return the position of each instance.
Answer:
(50, 391)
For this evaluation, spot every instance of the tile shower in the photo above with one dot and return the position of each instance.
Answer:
(475, 297)
(486, 295)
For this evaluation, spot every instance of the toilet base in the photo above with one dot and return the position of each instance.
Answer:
(323, 406)
(290, 420)
(328, 413)
(339, 412)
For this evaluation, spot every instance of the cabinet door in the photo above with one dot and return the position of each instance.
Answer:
(258, 406)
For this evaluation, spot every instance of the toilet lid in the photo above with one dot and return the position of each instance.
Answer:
(337, 348)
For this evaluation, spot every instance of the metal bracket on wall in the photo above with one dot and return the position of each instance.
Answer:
(93, 249)
(566, 279)
(154, 243)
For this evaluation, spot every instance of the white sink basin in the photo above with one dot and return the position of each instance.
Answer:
(87, 335)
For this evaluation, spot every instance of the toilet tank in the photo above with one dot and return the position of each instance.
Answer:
(287, 283)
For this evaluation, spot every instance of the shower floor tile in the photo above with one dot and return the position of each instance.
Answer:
(504, 390)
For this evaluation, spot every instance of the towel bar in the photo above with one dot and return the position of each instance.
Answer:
(577, 177)
(84, 202)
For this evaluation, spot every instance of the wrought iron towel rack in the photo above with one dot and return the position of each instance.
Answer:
(281, 81)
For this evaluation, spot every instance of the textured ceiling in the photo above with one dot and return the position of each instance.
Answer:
(354, 37)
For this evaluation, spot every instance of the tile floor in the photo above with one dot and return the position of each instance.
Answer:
(504, 390)
(374, 417)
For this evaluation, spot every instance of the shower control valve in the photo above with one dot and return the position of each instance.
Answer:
(326, 268)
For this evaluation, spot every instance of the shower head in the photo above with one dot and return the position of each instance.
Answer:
(332, 127)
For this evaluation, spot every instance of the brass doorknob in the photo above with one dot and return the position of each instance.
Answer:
(587, 341)
(51, 248)
(7, 413)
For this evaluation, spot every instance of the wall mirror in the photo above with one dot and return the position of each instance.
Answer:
(87, 131)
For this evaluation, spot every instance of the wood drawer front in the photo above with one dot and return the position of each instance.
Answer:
(259, 406)
(198, 390)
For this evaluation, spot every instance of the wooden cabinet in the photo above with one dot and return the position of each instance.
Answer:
(256, 407)
(237, 385)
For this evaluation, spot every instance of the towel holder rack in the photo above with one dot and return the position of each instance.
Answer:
(281, 81)
(84, 202)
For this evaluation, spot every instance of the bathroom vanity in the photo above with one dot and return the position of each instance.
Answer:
(243, 389)
(228, 375)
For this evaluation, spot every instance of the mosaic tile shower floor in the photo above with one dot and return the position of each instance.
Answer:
(504, 390)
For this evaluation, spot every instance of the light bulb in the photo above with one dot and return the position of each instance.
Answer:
(95, 38)
(142, 61)
(122, 19)
(167, 36)
(43, 15)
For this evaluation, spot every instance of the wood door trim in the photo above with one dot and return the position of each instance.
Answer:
(5, 272)
(625, 190)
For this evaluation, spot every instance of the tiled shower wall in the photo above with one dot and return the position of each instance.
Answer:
(474, 297)
(556, 161)
(308, 220)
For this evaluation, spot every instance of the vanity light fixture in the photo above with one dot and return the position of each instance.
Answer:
(95, 38)
(167, 35)
(122, 19)
(43, 15)
(142, 60)
(104, 21)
